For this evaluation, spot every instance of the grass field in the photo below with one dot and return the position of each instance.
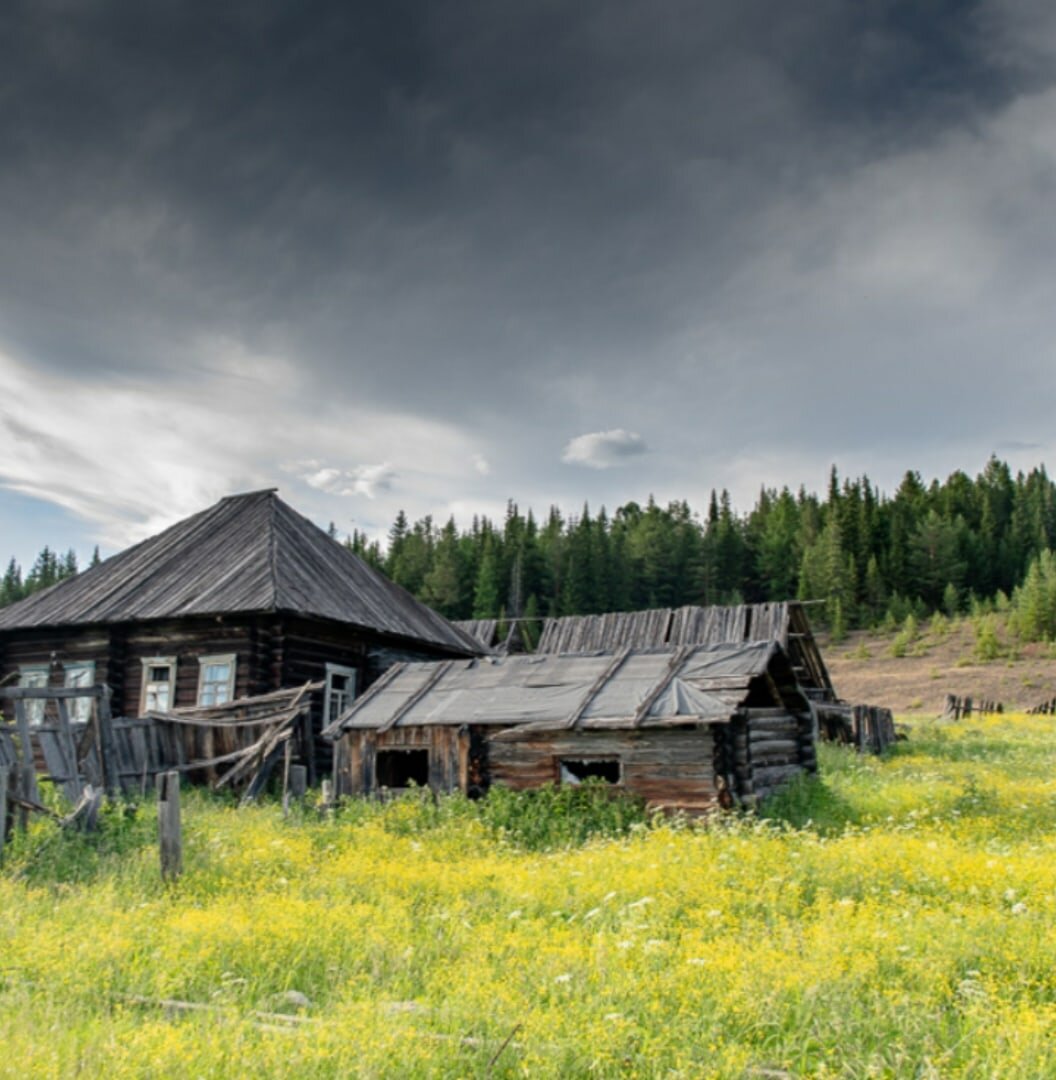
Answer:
(895, 918)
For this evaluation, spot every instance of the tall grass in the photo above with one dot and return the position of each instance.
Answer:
(894, 918)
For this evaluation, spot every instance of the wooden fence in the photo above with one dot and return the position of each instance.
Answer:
(1046, 708)
(956, 707)
(868, 728)
(237, 744)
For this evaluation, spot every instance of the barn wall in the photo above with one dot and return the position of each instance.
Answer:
(355, 757)
(672, 769)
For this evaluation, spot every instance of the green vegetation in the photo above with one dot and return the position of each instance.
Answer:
(892, 918)
(962, 546)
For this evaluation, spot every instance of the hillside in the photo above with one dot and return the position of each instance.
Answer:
(863, 669)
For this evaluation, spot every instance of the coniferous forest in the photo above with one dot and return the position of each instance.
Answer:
(870, 557)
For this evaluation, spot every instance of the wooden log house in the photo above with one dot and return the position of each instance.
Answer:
(691, 728)
(244, 598)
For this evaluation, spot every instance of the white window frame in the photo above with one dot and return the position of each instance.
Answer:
(231, 659)
(152, 662)
(352, 674)
(37, 676)
(79, 709)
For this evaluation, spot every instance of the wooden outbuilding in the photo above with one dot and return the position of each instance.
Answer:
(690, 728)
(242, 599)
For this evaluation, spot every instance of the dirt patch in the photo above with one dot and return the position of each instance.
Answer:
(864, 670)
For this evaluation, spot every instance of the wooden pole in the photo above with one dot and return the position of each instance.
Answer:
(107, 745)
(170, 832)
(28, 778)
(298, 782)
(287, 754)
(4, 774)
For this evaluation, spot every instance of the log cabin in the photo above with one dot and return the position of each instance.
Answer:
(691, 729)
(241, 599)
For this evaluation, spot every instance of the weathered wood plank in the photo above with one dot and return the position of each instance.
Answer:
(170, 831)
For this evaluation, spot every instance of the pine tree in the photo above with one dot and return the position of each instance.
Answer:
(12, 588)
(487, 592)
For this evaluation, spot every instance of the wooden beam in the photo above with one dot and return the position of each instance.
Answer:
(170, 833)
(50, 693)
(577, 713)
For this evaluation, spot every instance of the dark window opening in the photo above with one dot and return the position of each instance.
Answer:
(402, 768)
(575, 772)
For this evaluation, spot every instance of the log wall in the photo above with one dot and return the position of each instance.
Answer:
(672, 769)
(355, 757)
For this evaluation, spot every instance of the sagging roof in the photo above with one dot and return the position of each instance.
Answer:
(248, 553)
(643, 688)
(785, 622)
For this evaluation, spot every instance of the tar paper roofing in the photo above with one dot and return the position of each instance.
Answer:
(630, 688)
(248, 553)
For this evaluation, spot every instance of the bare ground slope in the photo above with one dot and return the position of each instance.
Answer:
(863, 669)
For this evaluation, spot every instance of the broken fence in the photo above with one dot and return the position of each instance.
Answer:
(234, 745)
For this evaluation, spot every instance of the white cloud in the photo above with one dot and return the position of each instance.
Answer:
(481, 464)
(130, 458)
(604, 449)
(365, 480)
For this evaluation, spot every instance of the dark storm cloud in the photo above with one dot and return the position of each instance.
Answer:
(407, 183)
(533, 220)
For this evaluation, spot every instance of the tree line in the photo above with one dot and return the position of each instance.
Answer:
(870, 557)
(48, 569)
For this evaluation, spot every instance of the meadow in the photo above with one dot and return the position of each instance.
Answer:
(895, 917)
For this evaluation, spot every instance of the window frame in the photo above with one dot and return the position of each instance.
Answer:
(349, 673)
(146, 683)
(231, 659)
(34, 709)
(78, 706)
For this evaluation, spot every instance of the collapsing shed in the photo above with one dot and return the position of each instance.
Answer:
(688, 729)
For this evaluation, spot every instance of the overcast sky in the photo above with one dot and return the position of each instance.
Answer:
(435, 256)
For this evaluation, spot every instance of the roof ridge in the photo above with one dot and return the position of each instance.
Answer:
(255, 494)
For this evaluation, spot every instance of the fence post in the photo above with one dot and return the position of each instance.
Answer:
(108, 745)
(28, 770)
(298, 781)
(170, 833)
(4, 773)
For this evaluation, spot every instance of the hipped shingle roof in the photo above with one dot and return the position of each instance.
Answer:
(249, 554)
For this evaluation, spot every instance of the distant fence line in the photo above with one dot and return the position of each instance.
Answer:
(956, 708)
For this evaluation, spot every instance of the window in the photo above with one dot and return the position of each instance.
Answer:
(159, 684)
(80, 673)
(340, 690)
(575, 772)
(401, 768)
(34, 675)
(216, 679)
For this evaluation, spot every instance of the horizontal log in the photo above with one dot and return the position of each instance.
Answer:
(774, 746)
(774, 775)
(49, 693)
